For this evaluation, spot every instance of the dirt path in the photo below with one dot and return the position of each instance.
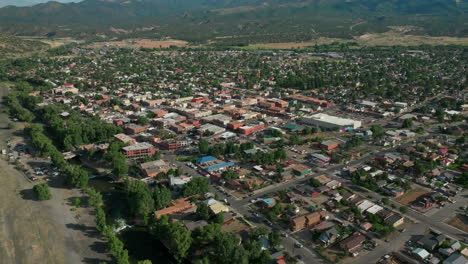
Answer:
(41, 232)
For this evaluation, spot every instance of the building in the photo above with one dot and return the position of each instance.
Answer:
(134, 129)
(319, 159)
(66, 88)
(210, 163)
(234, 125)
(179, 182)
(420, 253)
(301, 170)
(331, 122)
(154, 168)
(176, 206)
(352, 243)
(173, 144)
(307, 221)
(212, 128)
(329, 145)
(125, 139)
(216, 207)
(252, 128)
(267, 203)
(139, 150)
(456, 259)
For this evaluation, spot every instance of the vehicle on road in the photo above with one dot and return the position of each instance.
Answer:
(298, 245)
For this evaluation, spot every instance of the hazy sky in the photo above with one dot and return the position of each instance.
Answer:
(29, 2)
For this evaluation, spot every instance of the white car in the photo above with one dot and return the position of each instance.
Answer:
(298, 245)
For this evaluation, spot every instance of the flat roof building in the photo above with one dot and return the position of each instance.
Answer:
(328, 121)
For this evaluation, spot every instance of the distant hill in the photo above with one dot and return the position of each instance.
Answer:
(29, 2)
(241, 21)
(11, 46)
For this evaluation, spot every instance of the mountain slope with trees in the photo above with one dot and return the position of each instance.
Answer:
(201, 20)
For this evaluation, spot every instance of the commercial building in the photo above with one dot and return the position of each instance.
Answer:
(331, 122)
(173, 144)
(212, 128)
(210, 163)
(125, 139)
(154, 168)
(139, 150)
(252, 128)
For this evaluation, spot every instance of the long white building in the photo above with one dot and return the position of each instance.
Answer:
(328, 121)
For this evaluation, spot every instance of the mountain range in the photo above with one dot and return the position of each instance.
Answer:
(29, 2)
(235, 20)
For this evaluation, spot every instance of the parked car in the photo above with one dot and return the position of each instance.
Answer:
(298, 245)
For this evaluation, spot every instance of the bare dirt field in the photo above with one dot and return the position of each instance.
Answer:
(411, 196)
(41, 232)
(459, 221)
(392, 37)
(142, 43)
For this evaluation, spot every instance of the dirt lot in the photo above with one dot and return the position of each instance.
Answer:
(460, 222)
(41, 232)
(411, 196)
(143, 43)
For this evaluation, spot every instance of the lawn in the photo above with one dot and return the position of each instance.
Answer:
(411, 196)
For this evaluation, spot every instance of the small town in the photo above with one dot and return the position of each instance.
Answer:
(327, 155)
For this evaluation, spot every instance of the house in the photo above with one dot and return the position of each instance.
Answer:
(329, 145)
(456, 259)
(216, 207)
(365, 226)
(267, 203)
(431, 241)
(307, 221)
(179, 181)
(195, 224)
(329, 236)
(301, 170)
(352, 243)
(134, 129)
(420, 253)
(176, 206)
(394, 220)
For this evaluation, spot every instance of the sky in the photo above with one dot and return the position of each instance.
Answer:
(29, 2)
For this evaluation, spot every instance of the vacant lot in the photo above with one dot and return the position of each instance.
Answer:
(41, 232)
(459, 221)
(142, 43)
(411, 196)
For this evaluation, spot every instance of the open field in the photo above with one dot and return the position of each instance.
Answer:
(390, 38)
(459, 221)
(142, 43)
(411, 196)
(41, 232)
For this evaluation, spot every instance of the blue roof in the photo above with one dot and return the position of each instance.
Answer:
(269, 201)
(205, 159)
(220, 166)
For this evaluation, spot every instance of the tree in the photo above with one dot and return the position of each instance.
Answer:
(385, 201)
(142, 120)
(100, 219)
(198, 185)
(258, 232)
(404, 209)
(203, 211)
(377, 131)
(144, 262)
(94, 198)
(230, 175)
(227, 250)
(203, 146)
(314, 182)
(140, 201)
(42, 192)
(219, 218)
(407, 123)
(162, 196)
(275, 238)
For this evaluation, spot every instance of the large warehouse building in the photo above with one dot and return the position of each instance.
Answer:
(328, 121)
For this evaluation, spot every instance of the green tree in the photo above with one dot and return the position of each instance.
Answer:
(203, 211)
(198, 185)
(42, 192)
(275, 238)
(162, 197)
(203, 146)
(227, 250)
(403, 209)
(219, 218)
(407, 123)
